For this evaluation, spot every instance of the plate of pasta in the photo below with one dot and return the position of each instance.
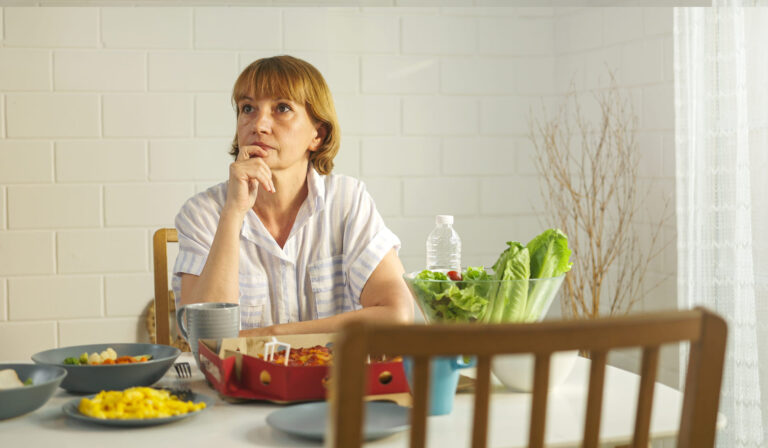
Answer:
(137, 406)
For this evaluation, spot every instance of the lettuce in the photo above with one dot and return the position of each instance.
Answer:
(550, 257)
(511, 294)
(448, 301)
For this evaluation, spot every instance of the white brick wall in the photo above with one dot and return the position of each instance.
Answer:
(51, 27)
(142, 205)
(53, 207)
(28, 338)
(100, 70)
(25, 162)
(228, 28)
(113, 330)
(113, 160)
(113, 116)
(146, 27)
(191, 71)
(52, 115)
(26, 252)
(3, 300)
(155, 114)
(99, 251)
(61, 297)
(128, 295)
(25, 70)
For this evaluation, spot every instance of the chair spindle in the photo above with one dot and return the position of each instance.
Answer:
(595, 401)
(539, 401)
(645, 398)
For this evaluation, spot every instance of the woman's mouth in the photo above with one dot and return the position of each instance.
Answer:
(263, 146)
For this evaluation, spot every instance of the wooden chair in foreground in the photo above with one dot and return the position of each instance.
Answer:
(705, 330)
(163, 295)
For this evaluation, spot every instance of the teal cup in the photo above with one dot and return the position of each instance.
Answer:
(443, 379)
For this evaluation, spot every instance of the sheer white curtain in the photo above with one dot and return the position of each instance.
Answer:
(721, 75)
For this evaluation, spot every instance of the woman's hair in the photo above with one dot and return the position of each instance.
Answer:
(292, 78)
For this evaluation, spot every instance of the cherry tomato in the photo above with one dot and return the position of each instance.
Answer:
(455, 276)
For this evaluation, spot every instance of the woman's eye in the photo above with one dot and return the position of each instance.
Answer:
(246, 108)
(282, 108)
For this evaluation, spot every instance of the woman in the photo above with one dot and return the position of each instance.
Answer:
(301, 250)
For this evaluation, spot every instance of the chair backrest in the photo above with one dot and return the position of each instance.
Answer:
(163, 296)
(705, 331)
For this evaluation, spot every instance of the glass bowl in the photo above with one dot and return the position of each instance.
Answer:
(483, 301)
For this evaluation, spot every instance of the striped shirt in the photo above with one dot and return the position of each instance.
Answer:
(336, 242)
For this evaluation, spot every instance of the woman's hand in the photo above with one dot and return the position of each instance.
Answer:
(245, 175)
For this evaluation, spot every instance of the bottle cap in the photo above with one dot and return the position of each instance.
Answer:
(444, 219)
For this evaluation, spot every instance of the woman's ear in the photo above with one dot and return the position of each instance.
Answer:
(322, 132)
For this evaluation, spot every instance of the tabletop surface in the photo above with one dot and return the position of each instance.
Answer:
(244, 424)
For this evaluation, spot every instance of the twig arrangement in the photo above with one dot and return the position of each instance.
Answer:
(590, 187)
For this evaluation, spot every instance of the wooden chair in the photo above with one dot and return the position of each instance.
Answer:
(705, 330)
(163, 295)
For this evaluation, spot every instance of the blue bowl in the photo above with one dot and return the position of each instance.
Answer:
(93, 379)
(21, 400)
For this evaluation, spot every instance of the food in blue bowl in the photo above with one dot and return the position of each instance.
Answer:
(26, 387)
(97, 376)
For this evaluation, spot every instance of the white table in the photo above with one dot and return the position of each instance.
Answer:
(235, 425)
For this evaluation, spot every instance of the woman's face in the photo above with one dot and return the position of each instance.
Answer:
(280, 126)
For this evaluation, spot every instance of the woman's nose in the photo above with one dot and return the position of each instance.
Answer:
(262, 123)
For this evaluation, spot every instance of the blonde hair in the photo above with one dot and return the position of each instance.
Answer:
(297, 80)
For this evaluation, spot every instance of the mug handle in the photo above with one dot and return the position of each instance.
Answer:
(180, 322)
(460, 362)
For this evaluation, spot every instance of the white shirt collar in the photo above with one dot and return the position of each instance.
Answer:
(254, 231)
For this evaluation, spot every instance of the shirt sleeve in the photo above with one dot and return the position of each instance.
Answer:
(196, 225)
(366, 240)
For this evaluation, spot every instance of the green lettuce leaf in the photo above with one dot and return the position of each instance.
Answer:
(447, 301)
(509, 296)
(550, 257)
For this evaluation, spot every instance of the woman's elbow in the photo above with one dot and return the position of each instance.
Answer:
(403, 313)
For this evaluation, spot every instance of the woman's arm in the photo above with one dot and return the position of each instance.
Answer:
(218, 282)
(385, 298)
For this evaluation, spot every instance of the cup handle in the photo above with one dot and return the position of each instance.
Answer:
(460, 362)
(180, 322)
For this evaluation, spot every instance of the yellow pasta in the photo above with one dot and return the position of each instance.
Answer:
(136, 403)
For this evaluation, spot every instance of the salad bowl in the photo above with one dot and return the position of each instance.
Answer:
(520, 288)
(477, 296)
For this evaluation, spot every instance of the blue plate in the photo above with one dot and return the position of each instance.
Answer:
(308, 420)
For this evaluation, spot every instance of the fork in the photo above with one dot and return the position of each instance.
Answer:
(183, 369)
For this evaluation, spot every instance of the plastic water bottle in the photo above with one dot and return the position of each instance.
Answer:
(444, 246)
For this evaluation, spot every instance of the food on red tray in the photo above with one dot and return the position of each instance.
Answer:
(313, 356)
(304, 356)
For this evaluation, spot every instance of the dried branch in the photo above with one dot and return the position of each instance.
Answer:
(589, 172)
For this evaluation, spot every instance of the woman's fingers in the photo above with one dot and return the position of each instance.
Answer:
(252, 151)
(252, 156)
(255, 169)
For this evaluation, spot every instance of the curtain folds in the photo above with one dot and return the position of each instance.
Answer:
(722, 182)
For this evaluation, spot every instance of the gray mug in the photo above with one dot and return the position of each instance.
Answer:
(209, 320)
